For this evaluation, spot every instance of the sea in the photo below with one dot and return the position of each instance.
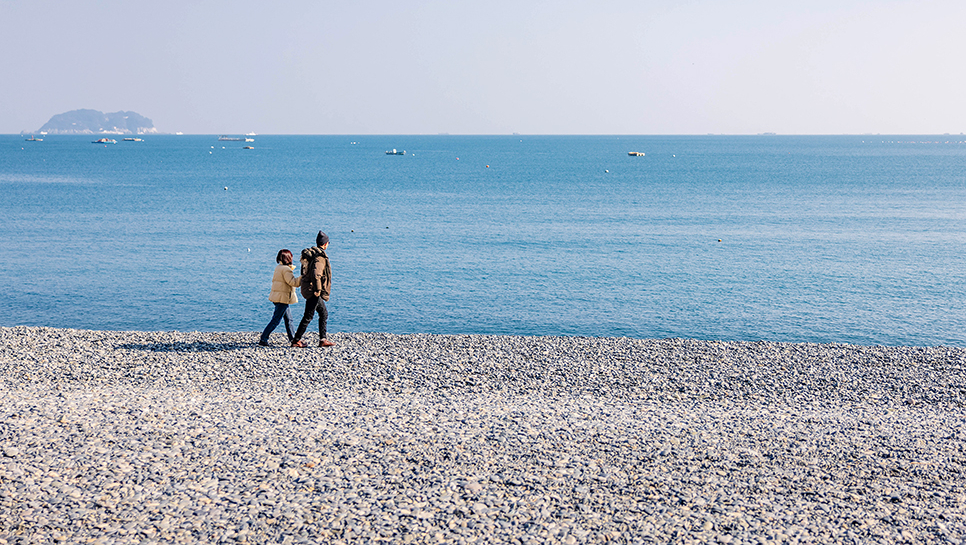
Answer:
(828, 239)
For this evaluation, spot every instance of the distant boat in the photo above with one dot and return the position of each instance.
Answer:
(104, 141)
(249, 147)
(249, 140)
(228, 139)
(133, 140)
(636, 153)
(251, 134)
(33, 139)
(394, 152)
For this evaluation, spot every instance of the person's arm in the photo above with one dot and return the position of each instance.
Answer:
(291, 279)
(320, 271)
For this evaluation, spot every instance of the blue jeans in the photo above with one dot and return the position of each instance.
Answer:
(281, 312)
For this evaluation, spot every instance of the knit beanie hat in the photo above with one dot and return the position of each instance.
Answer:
(321, 239)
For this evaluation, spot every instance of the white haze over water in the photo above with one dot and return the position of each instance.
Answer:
(563, 67)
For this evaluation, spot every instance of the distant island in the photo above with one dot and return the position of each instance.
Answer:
(95, 122)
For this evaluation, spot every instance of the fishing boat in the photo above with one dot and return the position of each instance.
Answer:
(228, 139)
(133, 140)
(104, 141)
(636, 153)
(394, 152)
(34, 139)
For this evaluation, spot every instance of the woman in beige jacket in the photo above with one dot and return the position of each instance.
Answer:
(284, 283)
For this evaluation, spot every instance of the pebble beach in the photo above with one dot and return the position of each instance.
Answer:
(185, 437)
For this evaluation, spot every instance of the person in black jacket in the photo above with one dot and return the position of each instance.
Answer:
(316, 285)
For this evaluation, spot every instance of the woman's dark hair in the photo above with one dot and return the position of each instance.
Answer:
(284, 257)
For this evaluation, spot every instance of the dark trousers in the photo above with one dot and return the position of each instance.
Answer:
(312, 304)
(281, 313)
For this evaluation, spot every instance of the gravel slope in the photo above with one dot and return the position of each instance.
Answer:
(142, 437)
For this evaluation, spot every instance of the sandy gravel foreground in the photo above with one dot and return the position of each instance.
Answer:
(161, 437)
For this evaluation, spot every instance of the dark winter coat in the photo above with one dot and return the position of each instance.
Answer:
(316, 274)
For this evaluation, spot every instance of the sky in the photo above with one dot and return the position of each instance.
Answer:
(494, 67)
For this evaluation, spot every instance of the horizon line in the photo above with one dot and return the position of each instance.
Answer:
(22, 133)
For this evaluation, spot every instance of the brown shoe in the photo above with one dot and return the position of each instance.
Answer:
(298, 344)
(326, 342)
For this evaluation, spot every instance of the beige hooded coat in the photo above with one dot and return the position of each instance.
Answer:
(284, 283)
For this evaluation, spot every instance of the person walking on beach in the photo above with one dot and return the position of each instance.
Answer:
(284, 283)
(316, 284)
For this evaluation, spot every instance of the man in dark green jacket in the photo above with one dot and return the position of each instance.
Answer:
(316, 285)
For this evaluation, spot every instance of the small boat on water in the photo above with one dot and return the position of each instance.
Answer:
(104, 141)
(249, 147)
(394, 152)
(228, 139)
(636, 153)
(34, 139)
(249, 140)
(133, 140)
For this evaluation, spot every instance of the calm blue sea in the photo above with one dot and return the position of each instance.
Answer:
(856, 239)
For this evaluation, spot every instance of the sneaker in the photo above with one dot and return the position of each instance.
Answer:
(298, 344)
(263, 343)
(326, 342)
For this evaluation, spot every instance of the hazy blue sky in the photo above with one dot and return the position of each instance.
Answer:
(537, 67)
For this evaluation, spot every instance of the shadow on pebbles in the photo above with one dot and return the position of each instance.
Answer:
(161, 437)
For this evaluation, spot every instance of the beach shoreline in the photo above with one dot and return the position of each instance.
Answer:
(136, 437)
